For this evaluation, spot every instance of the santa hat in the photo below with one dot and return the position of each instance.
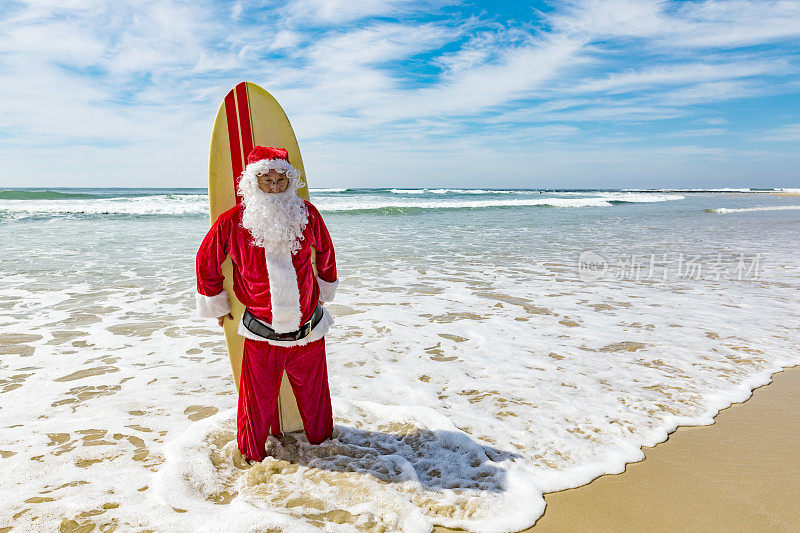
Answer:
(262, 159)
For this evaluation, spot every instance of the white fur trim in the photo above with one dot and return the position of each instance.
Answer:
(316, 334)
(284, 293)
(327, 290)
(212, 306)
(265, 165)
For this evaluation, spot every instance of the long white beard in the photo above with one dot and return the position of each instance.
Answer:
(275, 220)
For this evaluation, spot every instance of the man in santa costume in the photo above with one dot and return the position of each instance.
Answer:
(283, 270)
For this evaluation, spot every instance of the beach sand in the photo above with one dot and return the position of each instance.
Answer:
(739, 474)
(792, 194)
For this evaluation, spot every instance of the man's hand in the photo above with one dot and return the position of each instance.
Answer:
(221, 319)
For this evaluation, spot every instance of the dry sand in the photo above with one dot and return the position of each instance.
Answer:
(793, 194)
(740, 474)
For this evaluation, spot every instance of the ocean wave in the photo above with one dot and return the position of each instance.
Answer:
(638, 197)
(197, 204)
(17, 194)
(341, 204)
(723, 189)
(749, 209)
(456, 191)
(167, 204)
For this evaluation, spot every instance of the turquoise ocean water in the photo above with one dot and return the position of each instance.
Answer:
(489, 346)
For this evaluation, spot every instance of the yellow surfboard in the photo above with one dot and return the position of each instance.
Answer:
(248, 116)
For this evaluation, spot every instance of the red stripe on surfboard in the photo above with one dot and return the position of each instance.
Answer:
(233, 139)
(245, 128)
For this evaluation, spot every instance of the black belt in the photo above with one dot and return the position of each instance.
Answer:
(258, 328)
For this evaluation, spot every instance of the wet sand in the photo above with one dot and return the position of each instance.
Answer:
(792, 194)
(739, 474)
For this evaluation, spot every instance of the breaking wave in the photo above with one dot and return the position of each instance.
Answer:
(750, 209)
(50, 203)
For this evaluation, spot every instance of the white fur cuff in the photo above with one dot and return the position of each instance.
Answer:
(327, 290)
(212, 306)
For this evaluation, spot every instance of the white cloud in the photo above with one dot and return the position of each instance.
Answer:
(617, 112)
(706, 93)
(517, 72)
(694, 150)
(73, 46)
(698, 132)
(285, 39)
(375, 44)
(708, 24)
(617, 18)
(482, 47)
(599, 110)
(236, 9)
(739, 23)
(785, 133)
(682, 73)
(331, 12)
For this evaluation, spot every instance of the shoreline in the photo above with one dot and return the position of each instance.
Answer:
(737, 474)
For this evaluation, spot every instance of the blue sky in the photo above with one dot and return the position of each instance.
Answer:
(584, 93)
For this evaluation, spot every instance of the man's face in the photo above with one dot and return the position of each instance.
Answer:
(273, 182)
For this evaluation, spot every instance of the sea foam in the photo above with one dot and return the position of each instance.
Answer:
(471, 368)
(170, 205)
(753, 209)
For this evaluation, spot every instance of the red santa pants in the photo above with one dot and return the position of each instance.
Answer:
(262, 370)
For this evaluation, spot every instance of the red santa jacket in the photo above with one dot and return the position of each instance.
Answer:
(279, 289)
